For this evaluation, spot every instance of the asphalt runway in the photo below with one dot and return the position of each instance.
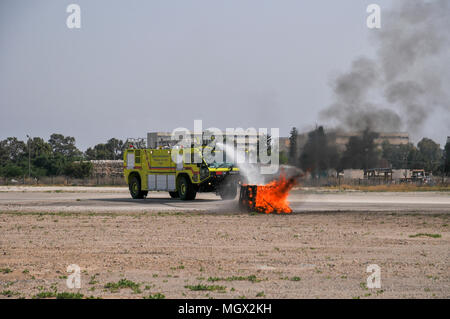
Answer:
(104, 199)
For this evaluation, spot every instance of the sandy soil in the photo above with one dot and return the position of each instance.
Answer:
(300, 255)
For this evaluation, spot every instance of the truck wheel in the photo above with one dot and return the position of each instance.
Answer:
(135, 188)
(228, 192)
(185, 189)
(174, 194)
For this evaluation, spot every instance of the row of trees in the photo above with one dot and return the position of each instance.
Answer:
(320, 153)
(59, 155)
(55, 157)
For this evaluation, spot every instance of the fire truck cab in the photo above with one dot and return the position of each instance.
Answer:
(155, 170)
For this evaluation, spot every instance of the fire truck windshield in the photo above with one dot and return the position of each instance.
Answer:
(216, 159)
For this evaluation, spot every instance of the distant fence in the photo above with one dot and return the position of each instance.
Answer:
(335, 181)
(64, 180)
(120, 181)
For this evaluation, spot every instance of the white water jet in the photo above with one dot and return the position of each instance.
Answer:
(250, 171)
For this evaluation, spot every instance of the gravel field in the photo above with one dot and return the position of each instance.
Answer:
(207, 249)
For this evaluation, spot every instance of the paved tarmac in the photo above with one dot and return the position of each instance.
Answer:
(118, 199)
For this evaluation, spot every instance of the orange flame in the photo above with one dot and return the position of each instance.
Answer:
(273, 196)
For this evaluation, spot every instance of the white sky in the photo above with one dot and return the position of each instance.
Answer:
(139, 66)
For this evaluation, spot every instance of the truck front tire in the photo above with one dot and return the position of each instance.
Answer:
(185, 189)
(228, 191)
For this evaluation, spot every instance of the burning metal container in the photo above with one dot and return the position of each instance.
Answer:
(247, 197)
(269, 198)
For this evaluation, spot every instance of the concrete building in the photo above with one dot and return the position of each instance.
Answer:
(353, 173)
(395, 138)
(341, 139)
(159, 139)
(243, 139)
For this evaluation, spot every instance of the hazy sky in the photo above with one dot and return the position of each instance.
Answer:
(139, 66)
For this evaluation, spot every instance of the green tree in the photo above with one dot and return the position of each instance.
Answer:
(266, 140)
(12, 150)
(430, 154)
(12, 170)
(64, 151)
(361, 152)
(399, 156)
(113, 149)
(318, 154)
(78, 169)
(98, 152)
(40, 154)
(446, 159)
(293, 156)
(38, 147)
(116, 146)
(283, 158)
(46, 158)
(65, 146)
(12, 157)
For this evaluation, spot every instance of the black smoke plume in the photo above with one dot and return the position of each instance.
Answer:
(408, 79)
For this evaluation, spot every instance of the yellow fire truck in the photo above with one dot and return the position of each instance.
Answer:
(154, 170)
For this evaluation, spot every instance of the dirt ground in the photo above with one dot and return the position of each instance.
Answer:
(225, 254)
